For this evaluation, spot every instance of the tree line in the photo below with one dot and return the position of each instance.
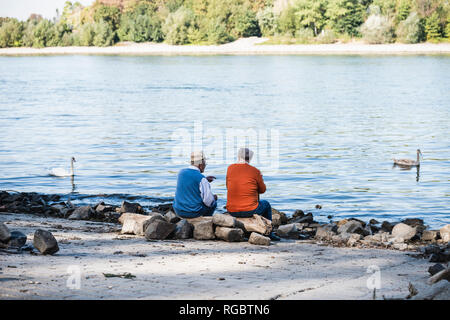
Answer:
(220, 21)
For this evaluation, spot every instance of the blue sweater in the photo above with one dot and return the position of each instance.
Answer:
(187, 195)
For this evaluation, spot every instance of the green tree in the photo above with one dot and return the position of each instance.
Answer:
(11, 33)
(311, 14)
(109, 14)
(43, 33)
(86, 35)
(345, 16)
(177, 25)
(409, 30)
(267, 21)
(403, 10)
(377, 28)
(287, 21)
(104, 35)
(432, 27)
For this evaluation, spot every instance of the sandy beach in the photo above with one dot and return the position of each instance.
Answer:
(245, 46)
(191, 269)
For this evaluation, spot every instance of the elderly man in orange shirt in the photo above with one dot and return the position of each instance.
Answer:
(244, 185)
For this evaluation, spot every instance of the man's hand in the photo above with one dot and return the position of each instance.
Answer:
(210, 178)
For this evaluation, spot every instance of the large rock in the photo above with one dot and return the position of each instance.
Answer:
(229, 234)
(135, 223)
(325, 232)
(430, 235)
(256, 223)
(403, 231)
(159, 230)
(131, 207)
(353, 226)
(171, 217)
(204, 230)
(45, 242)
(224, 220)
(5, 234)
(17, 240)
(386, 226)
(289, 231)
(437, 291)
(308, 218)
(278, 215)
(258, 239)
(445, 233)
(82, 213)
(435, 269)
(183, 230)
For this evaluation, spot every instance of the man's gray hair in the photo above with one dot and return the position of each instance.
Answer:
(245, 154)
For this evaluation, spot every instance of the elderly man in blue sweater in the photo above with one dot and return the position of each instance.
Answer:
(193, 196)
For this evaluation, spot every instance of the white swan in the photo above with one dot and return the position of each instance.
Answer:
(61, 172)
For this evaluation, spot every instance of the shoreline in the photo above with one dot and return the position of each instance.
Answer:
(244, 46)
(206, 270)
(105, 246)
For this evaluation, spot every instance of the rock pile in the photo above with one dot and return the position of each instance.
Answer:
(157, 226)
(50, 205)
(43, 240)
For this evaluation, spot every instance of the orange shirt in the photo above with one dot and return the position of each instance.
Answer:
(244, 184)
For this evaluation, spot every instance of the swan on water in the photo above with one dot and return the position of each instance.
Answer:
(409, 162)
(61, 172)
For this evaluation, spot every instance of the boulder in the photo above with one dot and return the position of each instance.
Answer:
(404, 231)
(297, 213)
(224, 220)
(341, 222)
(281, 216)
(413, 222)
(102, 208)
(134, 223)
(289, 231)
(128, 215)
(445, 233)
(435, 268)
(430, 235)
(229, 234)
(441, 275)
(5, 234)
(305, 219)
(325, 232)
(204, 230)
(45, 242)
(258, 239)
(353, 239)
(159, 230)
(386, 226)
(131, 207)
(437, 291)
(183, 230)
(171, 217)
(276, 220)
(352, 226)
(17, 240)
(257, 224)
(443, 256)
(82, 213)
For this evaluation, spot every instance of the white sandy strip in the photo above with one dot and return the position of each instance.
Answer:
(193, 269)
(245, 46)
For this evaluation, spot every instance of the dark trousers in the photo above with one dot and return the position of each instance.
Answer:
(264, 209)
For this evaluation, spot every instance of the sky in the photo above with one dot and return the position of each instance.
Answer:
(21, 9)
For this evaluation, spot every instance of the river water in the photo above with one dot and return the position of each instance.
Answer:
(324, 128)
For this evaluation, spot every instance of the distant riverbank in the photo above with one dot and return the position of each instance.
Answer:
(246, 46)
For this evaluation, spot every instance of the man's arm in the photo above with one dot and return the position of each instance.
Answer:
(261, 184)
(206, 193)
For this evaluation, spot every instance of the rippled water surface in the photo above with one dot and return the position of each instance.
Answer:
(331, 125)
